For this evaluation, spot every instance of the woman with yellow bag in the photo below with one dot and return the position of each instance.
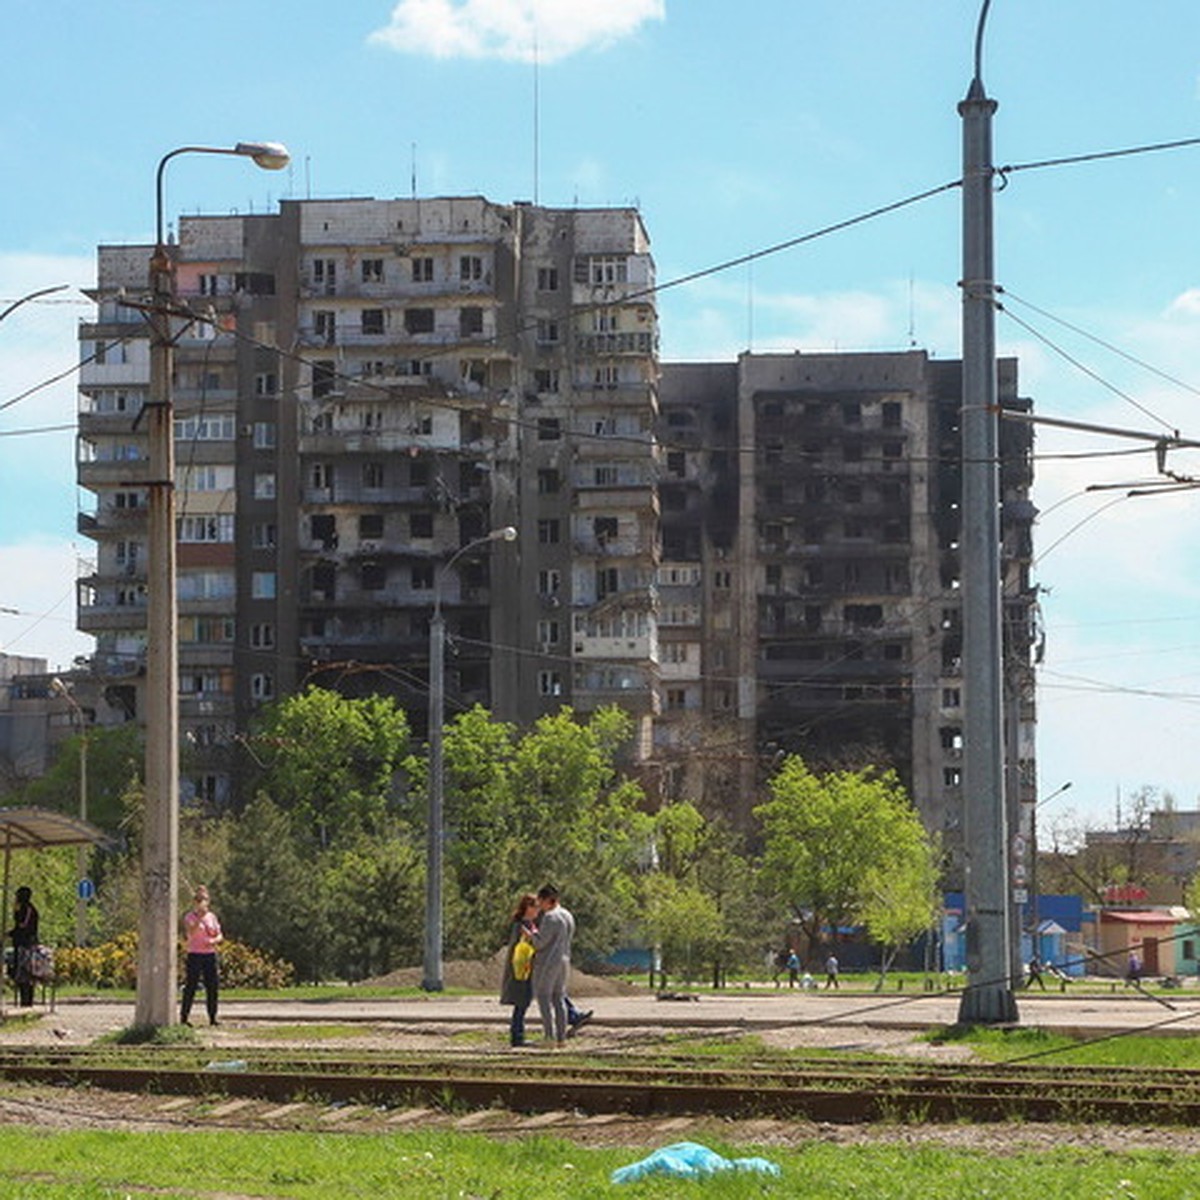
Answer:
(517, 988)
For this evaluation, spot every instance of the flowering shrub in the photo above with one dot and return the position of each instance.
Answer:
(114, 965)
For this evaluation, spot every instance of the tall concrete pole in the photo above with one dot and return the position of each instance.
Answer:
(158, 914)
(988, 997)
(158, 917)
(435, 834)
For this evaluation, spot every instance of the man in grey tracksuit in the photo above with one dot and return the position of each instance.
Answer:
(552, 963)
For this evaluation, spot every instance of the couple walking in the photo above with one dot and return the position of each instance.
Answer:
(536, 966)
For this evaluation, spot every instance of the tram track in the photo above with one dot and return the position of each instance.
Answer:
(820, 1089)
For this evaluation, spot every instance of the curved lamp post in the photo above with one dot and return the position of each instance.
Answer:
(436, 834)
(81, 851)
(46, 291)
(157, 939)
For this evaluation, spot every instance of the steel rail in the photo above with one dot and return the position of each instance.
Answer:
(840, 1094)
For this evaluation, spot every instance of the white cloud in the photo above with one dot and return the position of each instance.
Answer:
(509, 29)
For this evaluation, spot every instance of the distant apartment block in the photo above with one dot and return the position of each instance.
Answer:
(752, 558)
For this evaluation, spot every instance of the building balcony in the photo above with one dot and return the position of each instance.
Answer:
(639, 700)
(590, 345)
(111, 473)
(193, 706)
(111, 423)
(107, 616)
(642, 648)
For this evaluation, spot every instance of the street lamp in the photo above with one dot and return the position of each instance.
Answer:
(160, 838)
(46, 291)
(81, 851)
(435, 834)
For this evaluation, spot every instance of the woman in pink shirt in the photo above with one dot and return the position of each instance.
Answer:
(203, 932)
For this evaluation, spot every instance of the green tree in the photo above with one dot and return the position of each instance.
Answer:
(375, 893)
(901, 896)
(683, 922)
(830, 840)
(545, 805)
(273, 897)
(114, 761)
(708, 877)
(333, 764)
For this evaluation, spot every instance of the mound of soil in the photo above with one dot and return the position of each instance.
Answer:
(484, 975)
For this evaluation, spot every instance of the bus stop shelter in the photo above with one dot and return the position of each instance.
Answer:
(36, 829)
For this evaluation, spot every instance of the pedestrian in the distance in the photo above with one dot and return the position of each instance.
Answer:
(552, 964)
(831, 971)
(1035, 973)
(793, 968)
(1133, 972)
(203, 933)
(516, 990)
(24, 938)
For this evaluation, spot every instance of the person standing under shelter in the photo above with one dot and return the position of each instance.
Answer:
(552, 964)
(24, 938)
(203, 932)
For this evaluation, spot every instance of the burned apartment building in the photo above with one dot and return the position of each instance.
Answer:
(368, 387)
(809, 586)
(753, 558)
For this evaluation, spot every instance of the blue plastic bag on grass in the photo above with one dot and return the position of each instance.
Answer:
(689, 1160)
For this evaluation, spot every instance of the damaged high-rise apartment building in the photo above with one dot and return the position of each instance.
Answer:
(751, 558)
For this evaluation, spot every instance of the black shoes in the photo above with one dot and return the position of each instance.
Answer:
(579, 1022)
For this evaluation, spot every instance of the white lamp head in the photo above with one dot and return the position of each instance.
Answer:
(271, 156)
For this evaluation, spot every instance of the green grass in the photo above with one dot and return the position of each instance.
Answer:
(429, 1166)
(316, 1032)
(1052, 1049)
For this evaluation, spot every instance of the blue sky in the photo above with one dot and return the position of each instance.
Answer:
(734, 128)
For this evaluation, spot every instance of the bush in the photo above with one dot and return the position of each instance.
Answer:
(114, 965)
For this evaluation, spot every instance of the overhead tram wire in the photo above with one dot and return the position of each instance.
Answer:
(1086, 370)
(728, 264)
(1099, 341)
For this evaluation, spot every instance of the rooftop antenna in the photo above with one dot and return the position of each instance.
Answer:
(750, 307)
(413, 159)
(308, 177)
(536, 116)
(912, 316)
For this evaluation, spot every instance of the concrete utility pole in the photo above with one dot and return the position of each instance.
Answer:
(988, 997)
(158, 917)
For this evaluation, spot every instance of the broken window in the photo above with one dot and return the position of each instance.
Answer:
(372, 322)
(418, 320)
(324, 375)
(325, 326)
(470, 321)
(370, 526)
(372, 270)
(606, 529)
